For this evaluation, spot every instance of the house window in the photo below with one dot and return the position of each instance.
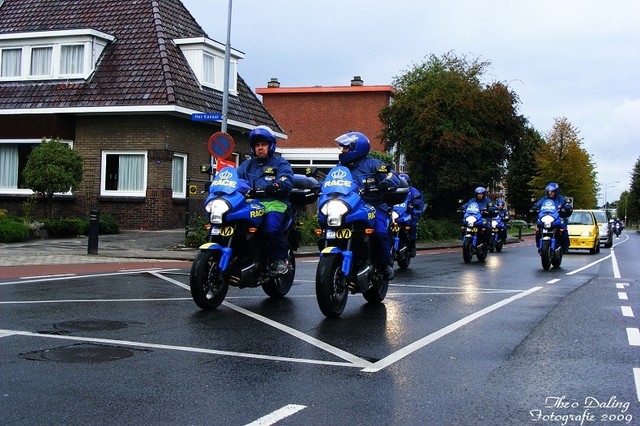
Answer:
(179, 175)
(41, 61)
(11, 60)
(13, 159)
(48, 55)
(72, 59)
(124, 174)
(209, 69)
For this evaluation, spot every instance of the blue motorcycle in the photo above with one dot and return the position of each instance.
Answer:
(399, 228)
(347, 263)
(474, 241)
(498, 232)
(548, 233)
(236, 253)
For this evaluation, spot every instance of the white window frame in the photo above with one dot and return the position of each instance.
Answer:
(197, 49)
(93, 42)
(19, 62)
(183, 193)
(120, 193)
(26, 191)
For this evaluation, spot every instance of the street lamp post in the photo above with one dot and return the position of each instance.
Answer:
(604, 199)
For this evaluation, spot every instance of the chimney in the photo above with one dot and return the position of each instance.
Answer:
(273, 83)
(357, 81)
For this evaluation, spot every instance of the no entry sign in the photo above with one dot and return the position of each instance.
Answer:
(221, 145)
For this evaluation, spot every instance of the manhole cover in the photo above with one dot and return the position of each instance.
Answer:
(90, 325)
(82, 353)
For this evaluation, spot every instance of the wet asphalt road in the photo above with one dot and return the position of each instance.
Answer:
(501, 342)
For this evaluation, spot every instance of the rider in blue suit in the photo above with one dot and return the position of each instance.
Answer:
(415, 207)
(484, 203)
(553, 193)
(274, 175)
(371, 173)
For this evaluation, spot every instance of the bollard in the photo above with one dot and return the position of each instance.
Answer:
(94, 228)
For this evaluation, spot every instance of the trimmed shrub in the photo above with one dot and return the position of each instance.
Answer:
(13, 231)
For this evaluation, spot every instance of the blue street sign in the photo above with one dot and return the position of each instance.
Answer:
(207, 116)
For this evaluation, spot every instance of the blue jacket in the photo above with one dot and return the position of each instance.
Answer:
(369, 172)
(261, 173)
(414, 198)
(484, 204)
(559, 201)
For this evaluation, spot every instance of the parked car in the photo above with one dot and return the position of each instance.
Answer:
(584, 232)
(604, 223)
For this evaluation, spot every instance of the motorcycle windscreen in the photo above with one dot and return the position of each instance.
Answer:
(473, 209)
(548, 207)
(339, 181)
(226, 181)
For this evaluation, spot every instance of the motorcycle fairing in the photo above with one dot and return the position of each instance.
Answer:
(225, 256)
(347, 257)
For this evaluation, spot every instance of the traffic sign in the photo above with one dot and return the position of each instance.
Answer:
(221, 145)
(207, 116)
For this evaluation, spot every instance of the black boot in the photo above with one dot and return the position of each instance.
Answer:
(412, 248)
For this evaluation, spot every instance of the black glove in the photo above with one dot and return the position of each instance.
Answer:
(383, 186)
(272, 188)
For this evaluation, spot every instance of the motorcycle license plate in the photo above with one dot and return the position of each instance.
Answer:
(214, 231)
(340, 233)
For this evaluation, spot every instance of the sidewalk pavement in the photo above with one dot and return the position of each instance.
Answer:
(129, 246)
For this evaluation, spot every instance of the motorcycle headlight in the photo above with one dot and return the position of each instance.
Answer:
(471, 221)
(216, 209)
(494, 223)
(547, 221)
(334, 210)
(394, 216)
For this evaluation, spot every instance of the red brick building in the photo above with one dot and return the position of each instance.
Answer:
(312, 117)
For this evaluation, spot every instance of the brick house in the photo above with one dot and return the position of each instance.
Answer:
(313, 117)
(119, 82)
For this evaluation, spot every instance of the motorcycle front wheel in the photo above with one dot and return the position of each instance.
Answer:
(278, 287)
(331, 286)
(208, 287)
(467, 252)
(545, 255)
(380, 285)
(499, 245)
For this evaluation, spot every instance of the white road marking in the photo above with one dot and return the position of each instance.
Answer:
(128, 343)
(633, 334)
(553, 281)
(48, 276)
(614, 261)
(622, 295)
(73, 277)
(277, 415)
(589, 265)
(36, 302)
(621, 286)
(627, 311)
(419, 344)
(636, 376)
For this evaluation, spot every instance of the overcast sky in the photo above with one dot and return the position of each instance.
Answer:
(578, 59)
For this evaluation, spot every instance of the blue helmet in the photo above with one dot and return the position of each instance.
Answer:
(500, 203)
(404, 177)
(262, 134)
(552, 187)
(480, 190)
(358, 146)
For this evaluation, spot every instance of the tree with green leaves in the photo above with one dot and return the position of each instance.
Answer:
(562, 159)
(633, 206)
(455, 131)
(521, 168)
(52, 167)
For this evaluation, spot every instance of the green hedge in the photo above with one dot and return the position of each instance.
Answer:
(12, 230)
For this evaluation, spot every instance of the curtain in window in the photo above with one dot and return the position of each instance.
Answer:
(72, 59)
(41, 60)
(11, 60)
(177, 175)
(209, 69)
(8, 166)
(130, 172)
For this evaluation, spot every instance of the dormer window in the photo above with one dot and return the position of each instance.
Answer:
(206, 58)
(51, 55)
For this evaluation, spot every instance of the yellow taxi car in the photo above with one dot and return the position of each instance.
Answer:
(583, 231)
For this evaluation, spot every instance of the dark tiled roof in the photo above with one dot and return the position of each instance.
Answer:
(141, 67)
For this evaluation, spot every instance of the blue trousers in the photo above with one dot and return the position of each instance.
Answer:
(273, 230)
(380, 237)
